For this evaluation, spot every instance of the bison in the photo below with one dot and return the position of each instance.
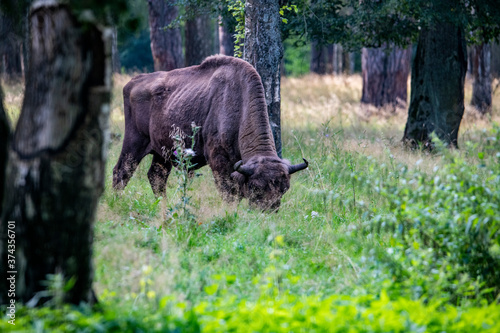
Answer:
(223, 95)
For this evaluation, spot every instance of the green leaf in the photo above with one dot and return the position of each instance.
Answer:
(210, 290)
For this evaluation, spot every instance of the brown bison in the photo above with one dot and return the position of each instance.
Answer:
(223, 95)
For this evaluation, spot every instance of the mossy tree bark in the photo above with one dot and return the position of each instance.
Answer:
(385, 75)
(481, 71)
(263, 49)
(437, 86)
(55, 172)
(166, 43)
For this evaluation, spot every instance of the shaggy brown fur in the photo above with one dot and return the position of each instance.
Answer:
(223, 95)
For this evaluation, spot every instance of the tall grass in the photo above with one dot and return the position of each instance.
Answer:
(335, 234)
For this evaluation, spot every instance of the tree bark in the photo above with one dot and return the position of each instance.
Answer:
(55, 172)
(198, 39)
(385, 76)
(495, 60)
(481, 71)
(115, 54)
(4, 144)
(166, 43)
(319, 58)
(437, 86)
(337, 59)
(263, 49)
(226, 39)
(329, 58)
(10, 49)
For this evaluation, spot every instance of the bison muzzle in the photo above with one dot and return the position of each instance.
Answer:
(223, 95)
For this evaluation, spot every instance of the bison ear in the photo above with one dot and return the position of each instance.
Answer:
(244, 170)
(298, 167)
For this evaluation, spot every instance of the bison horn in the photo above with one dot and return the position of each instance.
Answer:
(242, 169)
(298, 167)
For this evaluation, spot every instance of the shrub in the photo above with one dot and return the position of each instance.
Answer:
(445, 227)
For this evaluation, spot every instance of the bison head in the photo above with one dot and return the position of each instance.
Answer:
(263, 180)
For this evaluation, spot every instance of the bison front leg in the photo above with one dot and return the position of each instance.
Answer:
(133, 151)
(158, 174)
(228, 186)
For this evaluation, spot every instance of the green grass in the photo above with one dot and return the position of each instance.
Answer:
(332, 259)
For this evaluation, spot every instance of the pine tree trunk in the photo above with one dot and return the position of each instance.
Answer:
(319, 57)
(481, 71)
(437, 86)
(385, 76)
(226, 39)
(263, 49)
(55, 172)
(198, 39)
(166, 44)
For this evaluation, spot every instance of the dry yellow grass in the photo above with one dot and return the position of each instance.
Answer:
(320, 103)
(330, 101)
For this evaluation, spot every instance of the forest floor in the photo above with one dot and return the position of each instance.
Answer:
(372, 237)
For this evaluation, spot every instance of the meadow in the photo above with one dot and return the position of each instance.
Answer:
(372, 237)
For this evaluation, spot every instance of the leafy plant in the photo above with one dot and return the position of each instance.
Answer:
(181, 213)
(444, 229)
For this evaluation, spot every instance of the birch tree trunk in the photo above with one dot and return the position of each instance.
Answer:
(166, 44)
(55, 171)
(263, 49)
(437, 86)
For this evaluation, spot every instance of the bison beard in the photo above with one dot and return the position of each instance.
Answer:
(223, 95)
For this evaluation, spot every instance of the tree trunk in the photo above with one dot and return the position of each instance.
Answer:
(115, 55)
(226, 39)
(481, 71)
(385, 75)
(346, 63)
(10, 49)
(437, 86)
(337, 59)
(55, 172)
(495, 60)
(4, 144)
(329, 58)
(319, 58)
(166, 43)
(198, 39)
(263, 49)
